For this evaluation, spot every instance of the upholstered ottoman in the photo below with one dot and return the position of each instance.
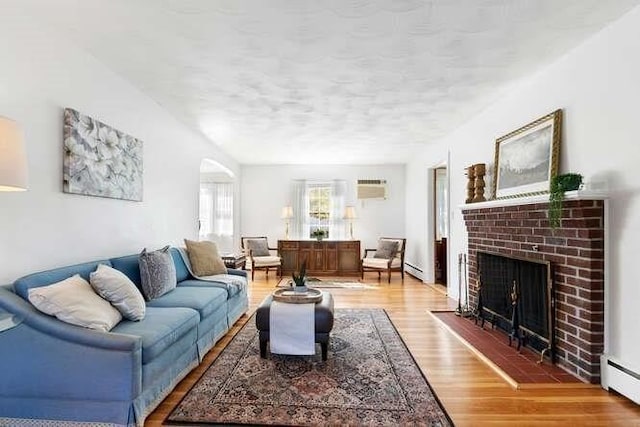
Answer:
(323, 315)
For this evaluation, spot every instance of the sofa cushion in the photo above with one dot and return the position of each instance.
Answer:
(182, 272)
(380, 263)
(157, 273)
(74, 301)
(205, 300)
(114, 286)
(263, 261)
(44, 278)
(130, 266)
(160, 329)
(233, 284)
(204, 258)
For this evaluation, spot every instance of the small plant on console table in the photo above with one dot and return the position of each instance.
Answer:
(319, 233)
(300, 280)
(559, 184)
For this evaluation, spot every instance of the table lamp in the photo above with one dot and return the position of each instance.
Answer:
(13, 159)
(350, 214)
(287, 214)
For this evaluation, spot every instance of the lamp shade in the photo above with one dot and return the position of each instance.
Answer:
(350, 212)
(13, 159)
(287, 212)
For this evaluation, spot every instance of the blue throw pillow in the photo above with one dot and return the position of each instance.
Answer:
(157, 273)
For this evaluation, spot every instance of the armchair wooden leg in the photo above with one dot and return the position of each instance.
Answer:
(389, 276)
(253, 272)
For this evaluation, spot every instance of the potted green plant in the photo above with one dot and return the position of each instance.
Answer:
(300, 280)
(558, 186)
(319, 233)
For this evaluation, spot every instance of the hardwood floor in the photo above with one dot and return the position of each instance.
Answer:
(471, 392)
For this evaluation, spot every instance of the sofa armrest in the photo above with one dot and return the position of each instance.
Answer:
(50, 358)
(237, 272)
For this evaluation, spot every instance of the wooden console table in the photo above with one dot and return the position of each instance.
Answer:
(326, 257)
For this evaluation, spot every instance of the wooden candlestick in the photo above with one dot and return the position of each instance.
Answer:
(470, 184)
(479, 170)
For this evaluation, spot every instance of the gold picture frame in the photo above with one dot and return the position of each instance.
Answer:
(527, 158)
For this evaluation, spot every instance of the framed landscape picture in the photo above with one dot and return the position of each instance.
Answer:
(527, 158)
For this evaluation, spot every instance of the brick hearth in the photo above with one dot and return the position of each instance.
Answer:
(576, 253)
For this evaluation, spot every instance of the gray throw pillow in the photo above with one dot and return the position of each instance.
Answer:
(157, 273)
(386, 249)
(258, 247)
(119, 290)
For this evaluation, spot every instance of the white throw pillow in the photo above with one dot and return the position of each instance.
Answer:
(74, 301)
(114, 286)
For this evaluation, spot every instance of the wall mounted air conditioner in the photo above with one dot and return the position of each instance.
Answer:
(372, 189)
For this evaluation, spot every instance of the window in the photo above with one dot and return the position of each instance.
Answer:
(319, 199)
(216, 210)
(318, 205)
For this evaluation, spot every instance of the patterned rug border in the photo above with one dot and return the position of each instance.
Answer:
(250, 319)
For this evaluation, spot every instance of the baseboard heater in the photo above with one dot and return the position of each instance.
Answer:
(413, 271)
(413, 266)
(618, 377)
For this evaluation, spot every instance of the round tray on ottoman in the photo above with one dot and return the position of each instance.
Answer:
(292, 297)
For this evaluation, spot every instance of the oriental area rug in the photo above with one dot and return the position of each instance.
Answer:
(370, 378)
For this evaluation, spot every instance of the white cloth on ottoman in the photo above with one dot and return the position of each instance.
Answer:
(292, 328)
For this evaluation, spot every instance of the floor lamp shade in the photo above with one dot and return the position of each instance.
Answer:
(13, 159)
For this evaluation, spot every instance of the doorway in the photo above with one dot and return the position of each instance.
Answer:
(441, 224)
(215, 221)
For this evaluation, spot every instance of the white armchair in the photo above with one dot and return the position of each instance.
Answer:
(259, 254)
(387, 257)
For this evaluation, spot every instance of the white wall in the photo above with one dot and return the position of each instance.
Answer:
(40, 74)
(266, 189)
(598, 87)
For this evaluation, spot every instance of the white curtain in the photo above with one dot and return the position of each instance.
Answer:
(302, 222)
(216, 214)
(336, 223)
(300, 225)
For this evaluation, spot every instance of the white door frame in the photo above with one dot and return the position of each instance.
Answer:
(429, 274)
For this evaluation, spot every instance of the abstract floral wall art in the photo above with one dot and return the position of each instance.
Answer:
(100, 160)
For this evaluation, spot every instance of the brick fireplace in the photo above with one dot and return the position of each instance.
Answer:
(519, 228)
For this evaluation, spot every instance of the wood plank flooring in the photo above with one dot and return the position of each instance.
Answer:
(471, 392)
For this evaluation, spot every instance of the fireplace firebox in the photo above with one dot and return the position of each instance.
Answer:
(517, 297)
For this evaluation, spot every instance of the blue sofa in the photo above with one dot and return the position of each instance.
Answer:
(57, 373)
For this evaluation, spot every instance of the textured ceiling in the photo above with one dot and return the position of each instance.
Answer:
(325, 81)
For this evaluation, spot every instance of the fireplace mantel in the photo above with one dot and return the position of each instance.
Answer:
(531, 200)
